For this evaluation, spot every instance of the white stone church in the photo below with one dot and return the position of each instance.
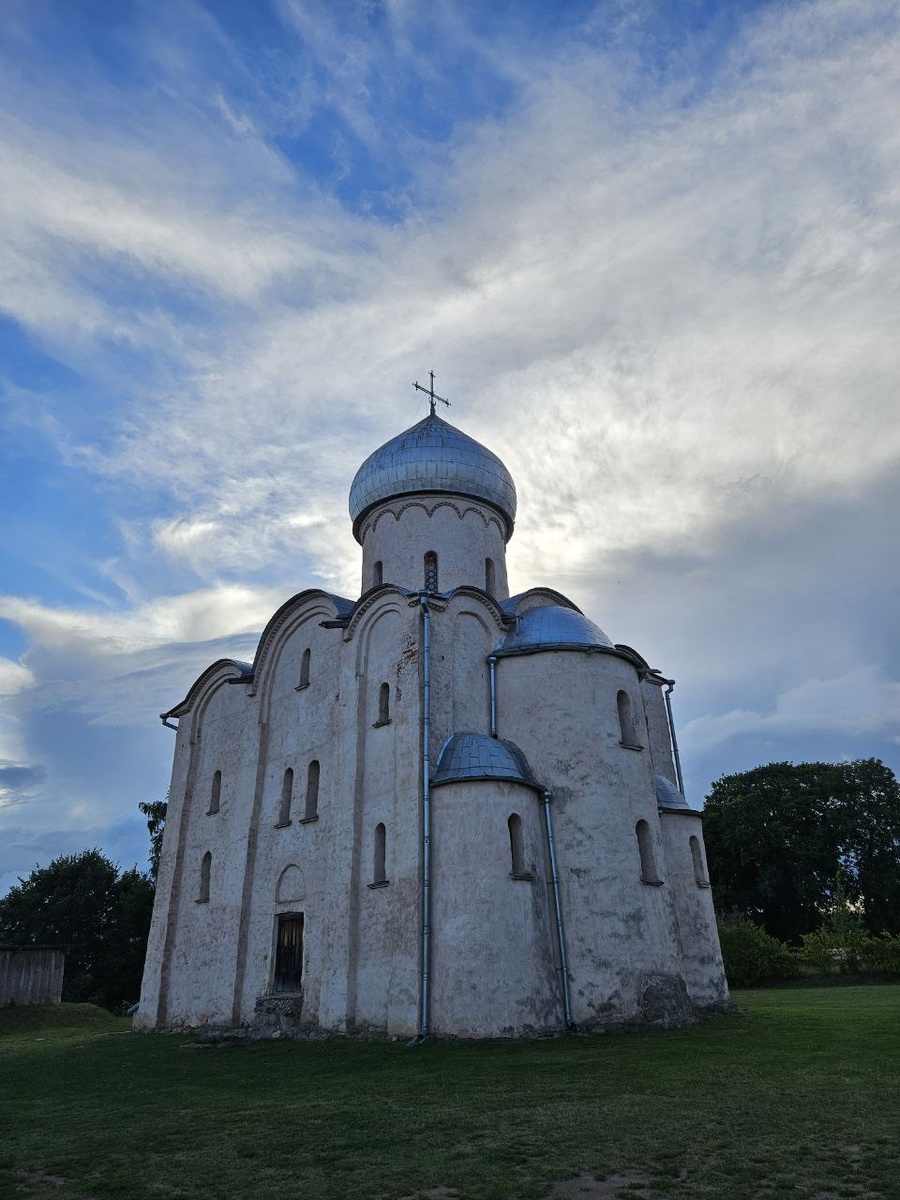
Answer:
(437, 809)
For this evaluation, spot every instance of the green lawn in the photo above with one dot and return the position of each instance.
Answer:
(795, 1095)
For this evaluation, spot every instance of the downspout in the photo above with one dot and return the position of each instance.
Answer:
(492, 676)
(164, 717)
(547, 796)
(670, 684)
(425, 982)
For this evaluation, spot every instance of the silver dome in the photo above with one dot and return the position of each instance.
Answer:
(432, 456)
(552, 627)
(667, 794)
(467, 756)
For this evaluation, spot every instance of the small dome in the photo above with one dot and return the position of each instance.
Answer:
(667, 794)
(552, 627)
(467, 756)
(432, 456)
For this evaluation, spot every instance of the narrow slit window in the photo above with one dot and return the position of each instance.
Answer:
(384, 704)
(700, 876)
(205, 872)
(649, 873)
(431, 571)
(518, 868)
(287, 795)
(312, 792)
(304, 669)
(379, 873)
(215, 794)
(378, 573)
(627, 733)
(489, 576)
(289, 953)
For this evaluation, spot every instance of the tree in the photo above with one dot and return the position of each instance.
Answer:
(80, 901)
(155, 812)
(780, 837)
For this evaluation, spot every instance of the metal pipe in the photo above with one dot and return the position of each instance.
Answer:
(670, 684)
(164, 717)
(557, 904)
(425, 995)
(492, 676)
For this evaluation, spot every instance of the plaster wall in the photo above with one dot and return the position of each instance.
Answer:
(385, 978)
(702, 966)
(560, 708)
(492, 950)
(300, 729)
(659, 738)
(462, 532)
(202, 946)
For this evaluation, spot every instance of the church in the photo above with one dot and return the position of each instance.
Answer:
(434, 810)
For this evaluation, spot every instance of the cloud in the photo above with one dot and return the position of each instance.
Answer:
(14, 677)
(17, 782)
(859, 703)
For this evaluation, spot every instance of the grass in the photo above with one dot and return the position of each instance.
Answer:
(795, 1095)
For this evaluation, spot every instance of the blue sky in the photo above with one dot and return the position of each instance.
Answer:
(650, 249)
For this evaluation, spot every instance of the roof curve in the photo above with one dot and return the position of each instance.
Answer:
(432, 456)
(552, 627)
(468, 756)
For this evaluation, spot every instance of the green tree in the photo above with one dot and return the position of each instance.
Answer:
(779, 837)
(155, 812)
(80, 901)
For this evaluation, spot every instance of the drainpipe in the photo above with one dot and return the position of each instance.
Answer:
(164, 717)
(670, 684)
(425, 989)
(492, 669)
(547, 796)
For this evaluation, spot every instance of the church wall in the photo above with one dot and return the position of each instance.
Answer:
(702, 966)
(202, 943)
(384, 995)
(560, 708)
(474, 636)
(462, 532)
(165, 900)
(301, 728)
(658, 733)
(493, 971)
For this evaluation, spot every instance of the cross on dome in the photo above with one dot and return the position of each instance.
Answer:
(431, 393)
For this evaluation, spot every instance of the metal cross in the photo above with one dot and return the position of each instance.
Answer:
(431, 393)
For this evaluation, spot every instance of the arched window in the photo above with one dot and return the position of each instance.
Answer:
(205, 870)
(214, 794)
(489, 580)
(431, 571)
(377, 573)
(304, 669)
(312, 792)
(649, 873)
(384, 705)
(379, 875)
(518, 868)
(627, 732)
(700, 875)
(287, 794)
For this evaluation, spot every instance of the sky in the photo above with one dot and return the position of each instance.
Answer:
(651, 251)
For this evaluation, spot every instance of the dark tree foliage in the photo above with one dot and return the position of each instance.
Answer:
(102, 917)
(155, 812)
(779, 838)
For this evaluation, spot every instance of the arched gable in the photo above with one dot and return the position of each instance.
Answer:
(201, 691)
(306, 605)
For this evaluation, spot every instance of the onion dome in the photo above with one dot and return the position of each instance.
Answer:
(468, 756)
(552, 627)
(432, 456)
